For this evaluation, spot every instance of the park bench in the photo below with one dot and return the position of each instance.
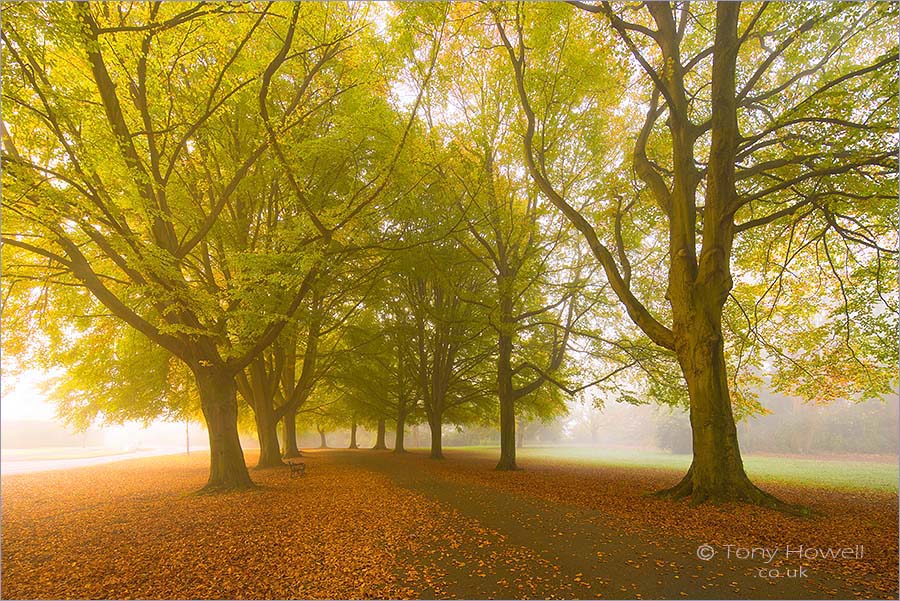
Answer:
(298, 468)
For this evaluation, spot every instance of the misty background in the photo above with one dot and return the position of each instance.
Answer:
(790, 426)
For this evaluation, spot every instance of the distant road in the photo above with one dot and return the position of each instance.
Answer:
(18, 465)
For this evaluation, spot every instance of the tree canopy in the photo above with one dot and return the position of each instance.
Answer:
(450, 213)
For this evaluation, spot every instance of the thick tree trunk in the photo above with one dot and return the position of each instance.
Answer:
(380, 440)
(257, 389)
(717, 470)
(290, 435)
(218, 400)
(267, 434)
(699, 287)
(437, 452)
(323, 444)
(353, 444)
(398, 436)
(401, 399)
(506, 394)
(507, 435)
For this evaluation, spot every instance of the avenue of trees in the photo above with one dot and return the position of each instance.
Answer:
(378, 215)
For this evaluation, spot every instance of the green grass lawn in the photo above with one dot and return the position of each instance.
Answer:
(830, 472)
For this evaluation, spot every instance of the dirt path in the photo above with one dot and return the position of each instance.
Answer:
(584, 554)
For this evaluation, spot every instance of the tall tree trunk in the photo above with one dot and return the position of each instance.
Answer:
(717, 470)
(267, 433)
(507, 434)
(520, 435)
(289, 426)
(434, 422)
(353, 444)
(505, 387)
(401, 399)
(398, 436)
(218, 400)
(323, 444)
(380, 443)
(698, 290)
(257, 387)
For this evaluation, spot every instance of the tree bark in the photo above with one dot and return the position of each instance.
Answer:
(505, 386)
(267, 434)
(437, 451)
(507, 435)
(399, 435)
(218, 400)
(323, 444)
(380, 443)
(699, 288)
(401, 398)
(353, 444)
(717, 470)
(296, 391)
(289, 426)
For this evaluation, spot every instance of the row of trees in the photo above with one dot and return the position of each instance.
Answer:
(448, 212)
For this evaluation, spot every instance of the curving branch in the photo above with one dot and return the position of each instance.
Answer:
(637, 311)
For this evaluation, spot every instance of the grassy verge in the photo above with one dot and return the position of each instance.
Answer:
(830, 472)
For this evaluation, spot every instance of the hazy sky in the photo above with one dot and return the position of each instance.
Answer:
(23, 397)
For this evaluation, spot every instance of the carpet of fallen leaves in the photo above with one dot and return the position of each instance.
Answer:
(842, 518)
(135, 529)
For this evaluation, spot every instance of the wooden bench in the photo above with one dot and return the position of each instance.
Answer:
(297, 468)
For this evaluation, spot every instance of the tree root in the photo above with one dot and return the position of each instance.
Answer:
(682, 490)
(744, 491)
(757, 496)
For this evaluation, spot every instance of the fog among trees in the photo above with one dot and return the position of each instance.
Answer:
(386, 218)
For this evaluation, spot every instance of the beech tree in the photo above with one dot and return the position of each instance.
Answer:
(377, 214)
(534, 296)
(753, 117)
(449, 335)
(118, 172)
(110, 220)
(507, 241)
(281, 381)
